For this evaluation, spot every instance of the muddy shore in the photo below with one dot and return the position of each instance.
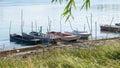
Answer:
(41, 48)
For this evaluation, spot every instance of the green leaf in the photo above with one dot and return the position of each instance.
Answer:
(73, 3)
(52, 1)
(68, 5)
(60, 1)
(67, 18)
(65, 12)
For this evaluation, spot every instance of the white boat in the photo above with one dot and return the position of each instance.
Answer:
(80, 34)
(64, 36)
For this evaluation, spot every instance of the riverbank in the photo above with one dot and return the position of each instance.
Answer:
(102, 55)
(41, 48)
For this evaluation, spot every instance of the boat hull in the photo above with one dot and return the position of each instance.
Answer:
(69, 38)
(64, 36)
(23, 40)
(110, 28)
(81, 35)
(46, 39)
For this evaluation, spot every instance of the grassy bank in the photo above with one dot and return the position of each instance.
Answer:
(99, 56)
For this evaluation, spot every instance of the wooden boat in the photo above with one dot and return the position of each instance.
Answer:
(31, 35)
(117, 24)
(83, 35)
(20, 39)
(111, 28)
(46, 38)
(64, 36)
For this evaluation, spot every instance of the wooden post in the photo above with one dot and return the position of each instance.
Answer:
(84, 27)
(91, 26)
(60, 24)
(31, 26)
(10, 27)
(22, 21)
(95, 30)
(88, 23)
(49, 24)
(110, 26)
(36, 25)
(71, 25)
(3, 47)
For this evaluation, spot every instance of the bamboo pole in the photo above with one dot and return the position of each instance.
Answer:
(10, 27)
(84, 27)
(110, 26)
(49, 28)
(91, 27)
(36, 26)
(71, 25)
(95, 30)
(22, 21)
(49, 24)
(31, 26)
(88, 23)
(60, 24)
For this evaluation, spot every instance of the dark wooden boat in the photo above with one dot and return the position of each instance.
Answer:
(110, 28)
(19, 39)
(32, 35)
(44, 37)
(117, 24)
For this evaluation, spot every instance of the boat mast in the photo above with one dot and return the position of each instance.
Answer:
(49, 24)
(10, 27)
(60, 24)
(110, 26)
(84, 27)
(95, 30)
(88, 24)
(36, 25)
(22, 21)
(91, 27)
(71, 25)
(32, 26)
(49, 28)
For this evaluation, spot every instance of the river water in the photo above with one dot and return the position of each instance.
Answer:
(102, 13)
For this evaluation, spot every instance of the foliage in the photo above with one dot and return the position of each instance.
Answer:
(71, 4)
(99, 56)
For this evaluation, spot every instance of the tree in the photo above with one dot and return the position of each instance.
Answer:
(70, 5)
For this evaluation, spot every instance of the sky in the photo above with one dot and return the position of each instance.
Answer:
(49, 1)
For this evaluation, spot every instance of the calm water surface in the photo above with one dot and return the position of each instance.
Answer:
(39, 13)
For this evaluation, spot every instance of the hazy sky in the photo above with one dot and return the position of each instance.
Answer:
(48, 1)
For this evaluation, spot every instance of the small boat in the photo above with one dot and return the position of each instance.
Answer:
(20, 39)
(31, 35)
(45, 37)
(83, 35)
(110, 28)
(64, 36)
(117, 24)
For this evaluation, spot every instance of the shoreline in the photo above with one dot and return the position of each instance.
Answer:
(35, 48)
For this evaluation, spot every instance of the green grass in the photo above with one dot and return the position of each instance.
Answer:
(99, 56)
